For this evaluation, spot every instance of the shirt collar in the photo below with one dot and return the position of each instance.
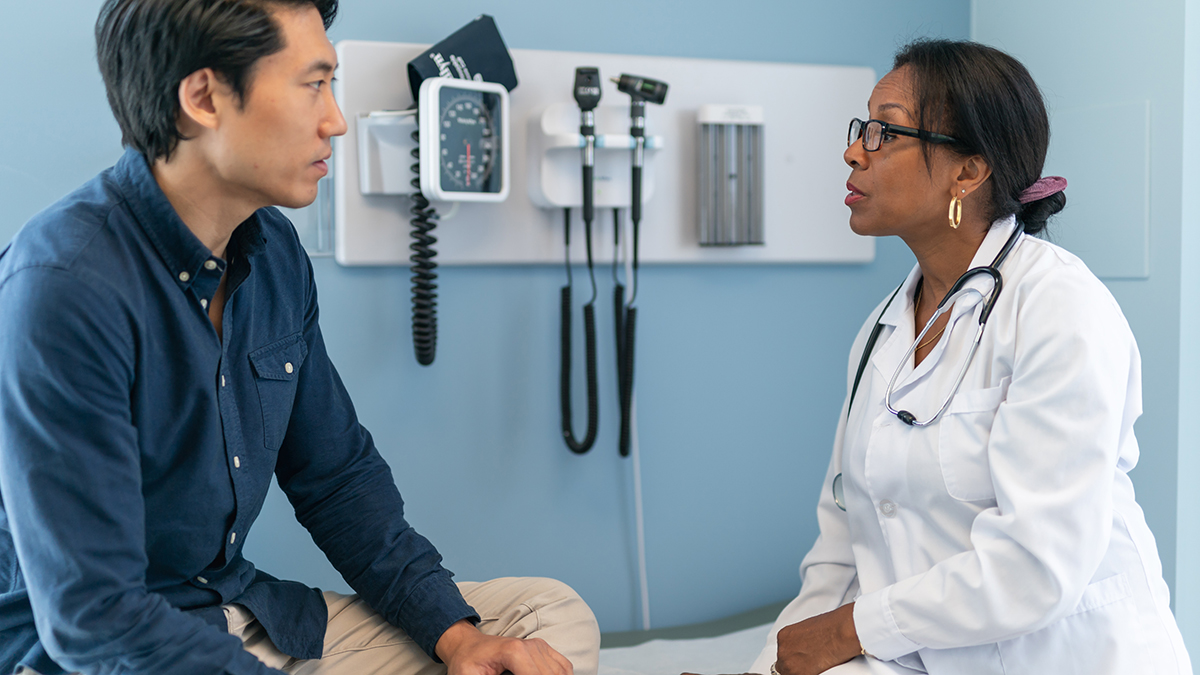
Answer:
(180, 250)
(994, 241)
(901, 309)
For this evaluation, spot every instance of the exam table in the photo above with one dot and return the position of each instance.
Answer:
(727, 645)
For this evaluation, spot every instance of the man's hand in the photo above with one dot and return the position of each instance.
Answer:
(466, 651)
(819, 643)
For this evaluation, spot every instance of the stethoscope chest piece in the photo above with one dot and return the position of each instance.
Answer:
(839, 495)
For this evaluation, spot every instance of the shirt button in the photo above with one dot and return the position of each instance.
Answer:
(202, 580)
(888, 508)
(184, 276)
(210, 265)
(287, 367)
(232, 537)
(222, 380)
(203, 303)
(237, 462)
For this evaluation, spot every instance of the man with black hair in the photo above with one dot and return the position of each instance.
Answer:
(161, 359)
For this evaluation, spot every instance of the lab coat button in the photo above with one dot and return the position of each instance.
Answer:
(888, 508)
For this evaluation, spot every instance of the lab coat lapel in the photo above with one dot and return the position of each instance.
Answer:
(961, 327)
(899, 319)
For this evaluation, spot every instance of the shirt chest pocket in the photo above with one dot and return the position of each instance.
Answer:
(276, 372)
(963, 438)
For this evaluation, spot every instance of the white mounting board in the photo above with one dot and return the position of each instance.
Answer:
(806, 109)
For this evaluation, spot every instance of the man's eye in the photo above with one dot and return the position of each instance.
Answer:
(889, 137)
(317, 85)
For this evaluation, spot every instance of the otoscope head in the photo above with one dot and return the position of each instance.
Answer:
(642, 88)
(587, 88)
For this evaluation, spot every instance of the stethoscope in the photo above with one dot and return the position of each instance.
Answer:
(957, 291)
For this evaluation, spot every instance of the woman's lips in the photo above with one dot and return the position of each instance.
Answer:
(854, 195)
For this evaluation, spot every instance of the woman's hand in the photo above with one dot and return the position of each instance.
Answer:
(819, 643)
(815, 645)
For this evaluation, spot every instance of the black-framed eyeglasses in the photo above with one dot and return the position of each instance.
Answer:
(872, 132)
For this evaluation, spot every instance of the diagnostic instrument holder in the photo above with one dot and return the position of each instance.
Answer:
(587, 96)
(640, 90)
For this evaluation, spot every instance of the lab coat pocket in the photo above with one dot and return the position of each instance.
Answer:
(963, 442)
(276, 369)
(1101, 635)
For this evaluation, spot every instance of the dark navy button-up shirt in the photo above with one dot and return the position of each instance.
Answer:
(137, 446)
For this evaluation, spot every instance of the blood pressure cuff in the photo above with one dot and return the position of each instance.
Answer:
(474, 52)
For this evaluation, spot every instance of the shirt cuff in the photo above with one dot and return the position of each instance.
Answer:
(433, 607)
(877, 629)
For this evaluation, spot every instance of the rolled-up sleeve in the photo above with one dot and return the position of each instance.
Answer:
(71, 479)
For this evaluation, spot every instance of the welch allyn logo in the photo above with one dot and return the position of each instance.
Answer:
(442, 66)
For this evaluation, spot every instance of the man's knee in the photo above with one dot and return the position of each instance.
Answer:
(563, 613)
(539, 607)
(545, 592)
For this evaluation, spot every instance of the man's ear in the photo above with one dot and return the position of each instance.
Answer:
(198, 101)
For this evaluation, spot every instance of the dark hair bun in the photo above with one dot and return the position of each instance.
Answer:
(1033, 216)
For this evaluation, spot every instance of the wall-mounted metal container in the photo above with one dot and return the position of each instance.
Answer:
(730, 163)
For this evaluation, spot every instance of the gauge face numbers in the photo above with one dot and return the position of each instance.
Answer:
(468, 142)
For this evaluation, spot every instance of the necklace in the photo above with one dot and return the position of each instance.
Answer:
(916, 304)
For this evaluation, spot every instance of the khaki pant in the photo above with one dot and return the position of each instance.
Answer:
(359, 641)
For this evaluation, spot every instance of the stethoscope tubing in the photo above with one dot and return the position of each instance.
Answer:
(956, 291)
(904, 415)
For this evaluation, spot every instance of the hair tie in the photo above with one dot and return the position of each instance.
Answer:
(1042, 188)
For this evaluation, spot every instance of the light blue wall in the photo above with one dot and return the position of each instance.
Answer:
(1118, 53)
(1187, 583)
(740, 370)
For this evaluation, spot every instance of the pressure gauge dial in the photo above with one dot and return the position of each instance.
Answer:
(463, 131)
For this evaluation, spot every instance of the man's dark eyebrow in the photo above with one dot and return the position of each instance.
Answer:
(321, 66)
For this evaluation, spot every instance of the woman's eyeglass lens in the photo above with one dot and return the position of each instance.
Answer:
(872, 132)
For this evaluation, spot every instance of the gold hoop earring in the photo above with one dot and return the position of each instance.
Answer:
(955, 214)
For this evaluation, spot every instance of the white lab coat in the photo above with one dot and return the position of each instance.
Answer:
(1004, 538)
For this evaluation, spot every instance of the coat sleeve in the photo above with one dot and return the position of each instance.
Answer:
(1055, 444)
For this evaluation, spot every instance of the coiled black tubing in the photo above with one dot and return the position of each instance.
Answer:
(589, 331)
(424, 275)
(625, 376)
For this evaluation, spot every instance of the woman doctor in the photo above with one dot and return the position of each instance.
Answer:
(987, 526)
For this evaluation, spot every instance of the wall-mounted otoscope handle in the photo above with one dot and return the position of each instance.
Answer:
(587, 95)
(642, 88)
